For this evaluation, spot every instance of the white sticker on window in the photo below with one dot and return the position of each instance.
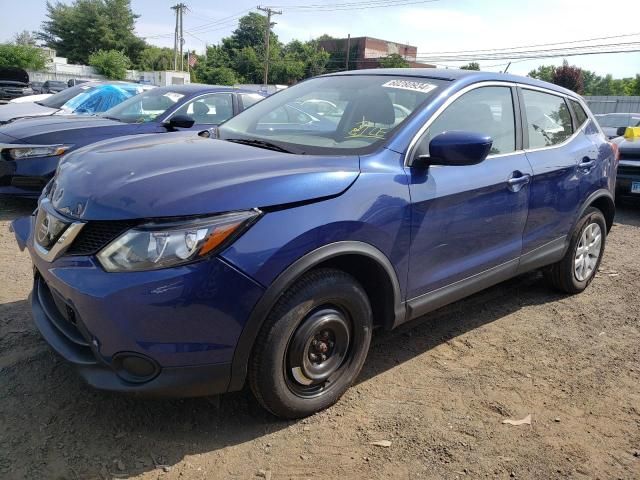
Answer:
(415, 86)
(173, 96)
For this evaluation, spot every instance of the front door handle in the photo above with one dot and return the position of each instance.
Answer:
(517, 180)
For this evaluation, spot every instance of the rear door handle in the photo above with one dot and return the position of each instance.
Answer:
(586, 163)
(517, 180)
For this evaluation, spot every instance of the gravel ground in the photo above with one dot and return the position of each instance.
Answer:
(437, 390)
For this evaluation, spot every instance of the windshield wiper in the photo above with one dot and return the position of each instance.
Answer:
(259, 144)
(109, 118)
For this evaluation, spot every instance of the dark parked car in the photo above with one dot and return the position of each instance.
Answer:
(14, 83)
(89, 98)
(183, 266)
(628, 181)
(30, 148)
(53, 86)
(74, 81)
(36, 87)
(613, 123)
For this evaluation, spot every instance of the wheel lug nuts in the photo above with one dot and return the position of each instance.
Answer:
(323, 357)
(313, 357)
(314, 342)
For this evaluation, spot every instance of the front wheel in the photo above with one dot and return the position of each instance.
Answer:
(577, 269)
(312, 345)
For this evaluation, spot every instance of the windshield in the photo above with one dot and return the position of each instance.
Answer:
(57, 100)
(344, 114)
(145, 107)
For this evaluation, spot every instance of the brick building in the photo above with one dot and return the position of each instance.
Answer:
(366, 52)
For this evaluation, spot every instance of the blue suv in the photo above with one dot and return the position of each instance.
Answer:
(190, 266)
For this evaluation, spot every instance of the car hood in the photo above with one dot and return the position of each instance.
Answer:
(27, 128)
(166, 175)
(11, 111)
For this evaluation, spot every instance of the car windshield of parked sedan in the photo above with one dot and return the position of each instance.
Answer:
(339, 114)
(145, 107)
(57, 100)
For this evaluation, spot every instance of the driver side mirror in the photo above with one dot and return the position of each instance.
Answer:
(456, 148)
(180, 121)
(620, 132)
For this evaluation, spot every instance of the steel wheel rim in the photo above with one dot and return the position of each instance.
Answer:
(587, 252)
(317, 352)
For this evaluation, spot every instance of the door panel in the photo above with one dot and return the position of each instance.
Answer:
(469, 219)
(562, 167)
(465, 220)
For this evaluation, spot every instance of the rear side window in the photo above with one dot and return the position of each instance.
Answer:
(548, 119)
(485, 110)
(249, 99)
(581, 115)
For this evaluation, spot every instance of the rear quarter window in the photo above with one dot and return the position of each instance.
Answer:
(581, 115)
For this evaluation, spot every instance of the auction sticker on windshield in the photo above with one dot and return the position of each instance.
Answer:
(415, 86)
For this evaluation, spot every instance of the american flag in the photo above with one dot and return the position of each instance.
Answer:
(193, 59)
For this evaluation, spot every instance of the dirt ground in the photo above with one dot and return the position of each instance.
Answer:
(438, 390)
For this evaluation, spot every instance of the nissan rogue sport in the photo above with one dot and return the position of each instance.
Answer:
(188, 266)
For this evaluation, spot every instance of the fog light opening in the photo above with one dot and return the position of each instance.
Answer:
(134, 367)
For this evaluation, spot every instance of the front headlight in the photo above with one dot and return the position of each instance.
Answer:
(162, 245)
(18, 153)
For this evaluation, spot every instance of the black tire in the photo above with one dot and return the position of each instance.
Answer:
(562, 275)
(332, 302)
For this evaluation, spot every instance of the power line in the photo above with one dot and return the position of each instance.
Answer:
(540, 44)
(228, 19)
(353, 5)
(524, 54)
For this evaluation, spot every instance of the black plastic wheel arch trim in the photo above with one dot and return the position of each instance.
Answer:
(286, 279)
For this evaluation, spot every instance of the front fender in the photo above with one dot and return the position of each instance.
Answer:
(286, 279)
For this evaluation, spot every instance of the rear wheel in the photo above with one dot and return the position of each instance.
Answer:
(577, 269)
(312, 345)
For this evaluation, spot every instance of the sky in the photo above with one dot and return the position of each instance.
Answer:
(437, 26)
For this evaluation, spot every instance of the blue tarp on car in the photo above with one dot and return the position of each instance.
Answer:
(101, 98)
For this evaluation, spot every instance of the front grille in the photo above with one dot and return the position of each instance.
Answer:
(33, 183)
(95, 235)
(628, 170)
(627, 156)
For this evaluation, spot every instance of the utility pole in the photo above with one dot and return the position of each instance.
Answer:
(270, 11)
(346, 66)
(178, 41)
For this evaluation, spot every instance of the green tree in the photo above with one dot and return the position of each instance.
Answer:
(155, 58)
(250, 33)
(315, 59)
(21, 56)
(77, 30)
(471, 66)
(543, 72)
(248, 66)
(217, 76)
(24, 37)
(110, 63)
(394, 61)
